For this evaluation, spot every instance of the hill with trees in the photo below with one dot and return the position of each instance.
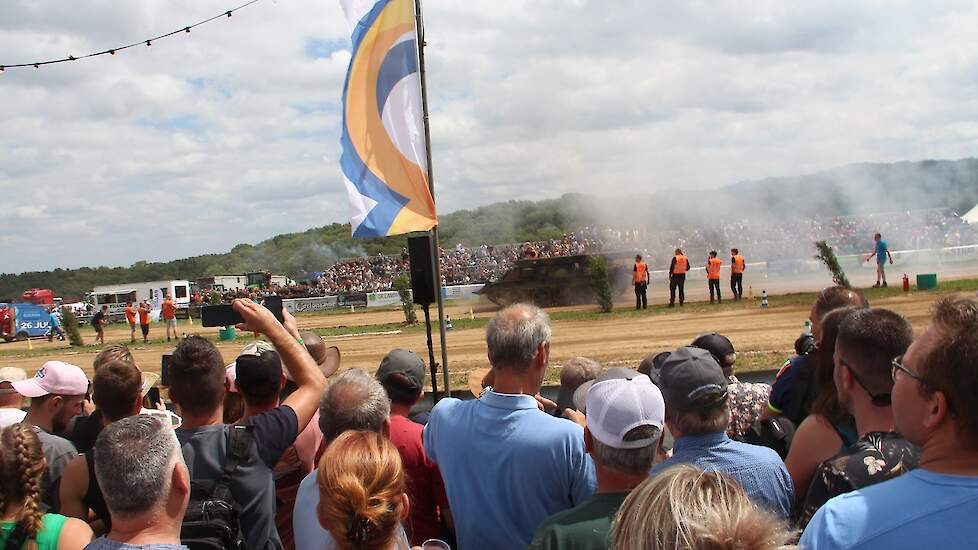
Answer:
(850, 190)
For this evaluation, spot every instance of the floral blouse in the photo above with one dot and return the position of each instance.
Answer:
(747, 403)
(875, 457)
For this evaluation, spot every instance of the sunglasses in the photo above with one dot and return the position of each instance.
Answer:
(880, 400)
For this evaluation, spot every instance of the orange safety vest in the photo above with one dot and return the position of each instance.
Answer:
(713, 268)
(737, 264)
(682, 265)
(641, 274)
(130, 316)
(168, 311)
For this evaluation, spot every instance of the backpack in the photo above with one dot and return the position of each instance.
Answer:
(774, 433)
(211, 521)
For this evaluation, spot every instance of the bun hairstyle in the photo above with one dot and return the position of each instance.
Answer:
(361, 489)
(21, 468)
(686, 508)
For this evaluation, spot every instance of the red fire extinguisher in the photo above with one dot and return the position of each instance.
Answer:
(906, 283)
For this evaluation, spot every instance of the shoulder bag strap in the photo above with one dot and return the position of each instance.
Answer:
(239, 445)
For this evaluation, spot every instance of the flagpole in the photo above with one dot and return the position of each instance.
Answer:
(436, 261)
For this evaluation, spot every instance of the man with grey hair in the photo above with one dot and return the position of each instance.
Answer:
(574, 372)
(624, 421)
(353, 401)
(506, 464)
(145, 482)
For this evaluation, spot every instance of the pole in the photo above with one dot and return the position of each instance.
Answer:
(431, 354)
(419, 21)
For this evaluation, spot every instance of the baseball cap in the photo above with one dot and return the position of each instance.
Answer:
(719, 346)
(258, 371)
(617, 406)
(402, 361)
(614, 373)
(652, 361)
(12, 374)
(689, 376)
(54, 377)
(258, 347)
(230, 373)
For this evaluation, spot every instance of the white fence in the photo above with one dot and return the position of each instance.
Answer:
(375, 299)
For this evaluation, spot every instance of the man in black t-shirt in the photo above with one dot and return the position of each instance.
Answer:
(98, 323)
(197, 376)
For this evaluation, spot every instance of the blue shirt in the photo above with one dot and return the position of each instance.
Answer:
(919, 509)
(507, 466)
(880, 251)
(759, 470)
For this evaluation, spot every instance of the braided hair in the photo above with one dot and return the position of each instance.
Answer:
(21, 468)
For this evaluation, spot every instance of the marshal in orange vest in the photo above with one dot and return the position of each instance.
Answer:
(713, 268)
(737, 264)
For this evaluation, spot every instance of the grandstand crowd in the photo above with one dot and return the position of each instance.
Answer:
(789, 239)
(867, 438)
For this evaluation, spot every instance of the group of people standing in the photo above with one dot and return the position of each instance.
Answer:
(679, 266)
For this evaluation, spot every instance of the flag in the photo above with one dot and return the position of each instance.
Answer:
(384, 161)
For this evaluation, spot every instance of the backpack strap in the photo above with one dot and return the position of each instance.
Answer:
(17, 538)
(239, 446)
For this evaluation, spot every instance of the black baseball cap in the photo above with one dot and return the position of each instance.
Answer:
(256, 372)
(405, 362)
(718, 345)
(690, 378)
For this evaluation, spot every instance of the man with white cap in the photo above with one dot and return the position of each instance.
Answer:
(624, 421)
(57, 392)
(10, 400)
(697, 415)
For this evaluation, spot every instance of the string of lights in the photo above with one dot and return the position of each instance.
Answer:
(113, 51)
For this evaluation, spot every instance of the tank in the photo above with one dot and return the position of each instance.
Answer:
(559, 281)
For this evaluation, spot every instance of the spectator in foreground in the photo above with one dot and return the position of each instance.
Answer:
(747, 400)
(56, 391)
(117, 391)
(361, 492)
(402, 374)
(10, 400)
(624, 425)
(573, 373)
(697, 415)
(867, 342)
(21, 518)
(197, 377)
(793, 391)
(353, 401)
(85, 429)
(685, 508)
(147, 484)
(934, 407)
(506, 464)
(828, 428)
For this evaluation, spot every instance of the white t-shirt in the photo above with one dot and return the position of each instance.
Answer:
(9, 417)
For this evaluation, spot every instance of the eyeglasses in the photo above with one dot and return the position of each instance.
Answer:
(881, 400)
(897, 365)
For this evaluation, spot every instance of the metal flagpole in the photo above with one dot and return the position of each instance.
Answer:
(431, 188)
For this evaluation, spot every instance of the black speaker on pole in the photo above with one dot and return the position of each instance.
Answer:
(422, 272)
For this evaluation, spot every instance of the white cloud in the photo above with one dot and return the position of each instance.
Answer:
(230, 134)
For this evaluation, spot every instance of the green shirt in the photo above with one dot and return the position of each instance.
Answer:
(47, 538)
(584, 527)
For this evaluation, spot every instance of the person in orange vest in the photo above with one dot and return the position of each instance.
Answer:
(713, 275)
(131, 319)
(640, 278)
(677, 277)
(144, 310)
(169, 310)
(737, 267)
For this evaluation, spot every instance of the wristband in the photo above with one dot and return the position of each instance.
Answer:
(301, 341)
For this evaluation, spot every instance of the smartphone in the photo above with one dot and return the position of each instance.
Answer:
(165, 370)
(223, 315)
(153, 395)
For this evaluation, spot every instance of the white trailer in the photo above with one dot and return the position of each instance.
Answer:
(116, 296)
(223, 283)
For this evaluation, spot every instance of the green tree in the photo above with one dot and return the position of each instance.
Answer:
(403, 288)
(827, 256)
(71, 327)
(600, 283)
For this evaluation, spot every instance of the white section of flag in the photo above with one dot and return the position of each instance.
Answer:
(356, 10)
(360, 205)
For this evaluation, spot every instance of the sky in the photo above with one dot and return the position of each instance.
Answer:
(230, 134)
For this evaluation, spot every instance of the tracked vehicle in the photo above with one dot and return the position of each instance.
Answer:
(559, 281)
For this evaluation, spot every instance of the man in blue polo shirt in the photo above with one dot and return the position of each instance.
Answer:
(506, 464)
(697, 414)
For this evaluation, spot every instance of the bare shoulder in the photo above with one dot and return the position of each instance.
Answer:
(75, 535)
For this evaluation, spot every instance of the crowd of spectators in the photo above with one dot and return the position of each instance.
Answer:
(866, 439)
(788, 239)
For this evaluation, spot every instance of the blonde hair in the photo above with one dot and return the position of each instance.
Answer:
(21, 468)
(112, 352)
(361, 488)
(685, 508)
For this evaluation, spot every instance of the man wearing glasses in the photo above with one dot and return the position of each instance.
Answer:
(868, 340)
(935, 407)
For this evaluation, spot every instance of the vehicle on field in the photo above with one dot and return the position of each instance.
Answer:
(557, 281)
(21, 321)
(116, 296)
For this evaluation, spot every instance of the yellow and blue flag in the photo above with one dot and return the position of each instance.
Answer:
(384, 160)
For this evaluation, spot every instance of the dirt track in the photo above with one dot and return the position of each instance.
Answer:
(762, 336)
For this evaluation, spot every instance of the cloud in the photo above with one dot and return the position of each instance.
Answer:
(230, 133)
